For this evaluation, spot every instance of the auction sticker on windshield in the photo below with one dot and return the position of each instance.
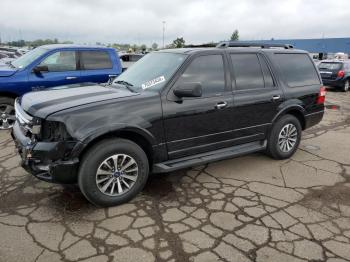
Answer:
(153, 82)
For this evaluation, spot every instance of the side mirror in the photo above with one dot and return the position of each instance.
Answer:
(188, 90)
(40, 68)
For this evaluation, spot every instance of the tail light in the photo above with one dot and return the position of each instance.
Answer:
(321, 96)
(341, 73)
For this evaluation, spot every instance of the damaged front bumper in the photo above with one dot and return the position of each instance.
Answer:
(47, 161)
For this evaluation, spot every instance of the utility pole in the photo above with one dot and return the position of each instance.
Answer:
(163, 32)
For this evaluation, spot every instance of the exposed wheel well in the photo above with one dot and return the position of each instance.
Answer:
(298, 115)
(132, 136)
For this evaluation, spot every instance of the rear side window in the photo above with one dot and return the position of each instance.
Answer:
(207, 70)
(95, 60)
(297, 69)
(247, 70)
(266, 72)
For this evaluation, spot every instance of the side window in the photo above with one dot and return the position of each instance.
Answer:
(208, 71)
(60, 61)
(95, 60)
(266, 72)
(297, 69)
(247, 71)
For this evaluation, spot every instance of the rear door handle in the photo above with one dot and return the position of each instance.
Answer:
(71, 77)
(276, 97)
(221, 105)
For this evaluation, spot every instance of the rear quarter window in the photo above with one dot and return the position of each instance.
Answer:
(297, 69)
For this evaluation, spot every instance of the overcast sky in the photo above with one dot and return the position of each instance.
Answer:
(140, 22)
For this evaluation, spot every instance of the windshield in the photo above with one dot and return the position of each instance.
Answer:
(330, 66)
(151, 72)
(28, 58)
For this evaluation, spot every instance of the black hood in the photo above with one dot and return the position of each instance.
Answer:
(44, 103)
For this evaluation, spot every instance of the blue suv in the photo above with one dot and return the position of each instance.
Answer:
(53, 65)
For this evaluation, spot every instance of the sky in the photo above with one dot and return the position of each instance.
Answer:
(141, 22)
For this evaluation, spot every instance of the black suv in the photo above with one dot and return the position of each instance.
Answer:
(335, 73)
(173, 109)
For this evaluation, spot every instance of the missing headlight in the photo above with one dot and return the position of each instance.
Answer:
(54, 131)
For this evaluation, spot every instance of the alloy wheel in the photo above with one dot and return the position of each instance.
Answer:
(117, 174)
(287, 138)
(7, 116)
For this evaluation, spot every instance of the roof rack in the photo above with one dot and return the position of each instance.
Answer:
(201, 45)
(252, 44)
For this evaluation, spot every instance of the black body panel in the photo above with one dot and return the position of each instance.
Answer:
(170, 129)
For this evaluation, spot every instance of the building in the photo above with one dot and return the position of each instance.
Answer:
(320, 46)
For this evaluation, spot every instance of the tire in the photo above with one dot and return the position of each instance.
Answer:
(346, 85)
(7, 113)
(276, 146)
(99, 158)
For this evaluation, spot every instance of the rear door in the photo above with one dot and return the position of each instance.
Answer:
(96, 66)
(62, 70)
(255, 96)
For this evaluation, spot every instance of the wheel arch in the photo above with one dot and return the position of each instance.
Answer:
(296, 111)
(8, 94)
(135, 136)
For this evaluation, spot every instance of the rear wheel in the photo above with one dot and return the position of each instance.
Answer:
(112, 172)
(7, 113)
(284, 137)
(346, 85)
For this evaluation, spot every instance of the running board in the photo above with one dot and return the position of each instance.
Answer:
(208, 157)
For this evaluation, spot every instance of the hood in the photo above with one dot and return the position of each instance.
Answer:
(44, 103)
(5, 70)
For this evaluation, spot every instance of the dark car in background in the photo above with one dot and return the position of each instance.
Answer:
(335, 73)
(53, 65)
(173, 109)
(129, 59)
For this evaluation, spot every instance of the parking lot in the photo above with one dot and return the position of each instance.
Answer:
(250, 208)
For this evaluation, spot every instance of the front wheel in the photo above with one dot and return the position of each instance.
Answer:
(112, 172)
(7, 113)
(284, 137)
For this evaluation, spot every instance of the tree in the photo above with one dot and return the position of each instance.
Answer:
(154, 46)
(235, 35)
(179, 42)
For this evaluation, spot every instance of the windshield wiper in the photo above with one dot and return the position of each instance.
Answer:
(125, 84)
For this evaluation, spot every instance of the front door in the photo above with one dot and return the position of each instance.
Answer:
(197, 125)
(62, 70)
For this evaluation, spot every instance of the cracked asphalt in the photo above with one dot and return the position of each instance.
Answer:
(250, 208)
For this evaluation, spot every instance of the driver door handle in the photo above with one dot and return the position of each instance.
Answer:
(276, 97)
(221, 105)
(71, 77)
